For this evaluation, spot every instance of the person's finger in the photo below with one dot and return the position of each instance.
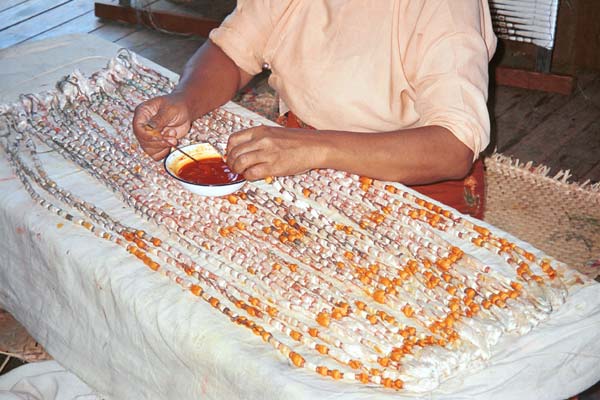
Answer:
(154, 145)
(181, 131)
(158, 139)
(244, 147)
(152, 142)
(170, 136)
(161, 154)
(143, 113)
(172, 132)
(147, 109)
(258, 171)
(144, 134)
(161, 119)
(169, 132)
(155, 149)
(237, 138)
(247, 160)
(152, 138)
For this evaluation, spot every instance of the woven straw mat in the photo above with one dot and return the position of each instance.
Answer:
(557, 216)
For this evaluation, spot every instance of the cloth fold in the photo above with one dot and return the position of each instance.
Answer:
(46, 380)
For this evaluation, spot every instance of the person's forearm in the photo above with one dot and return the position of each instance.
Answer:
(209, 79)
(412, 156)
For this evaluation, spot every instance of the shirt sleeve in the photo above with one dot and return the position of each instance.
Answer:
(453, 43)
(243, 35)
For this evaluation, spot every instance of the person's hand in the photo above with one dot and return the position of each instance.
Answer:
(160, 122)
(271, 151)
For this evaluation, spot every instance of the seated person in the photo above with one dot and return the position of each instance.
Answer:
(395, 90)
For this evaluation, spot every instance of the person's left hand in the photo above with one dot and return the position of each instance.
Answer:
(272, 151)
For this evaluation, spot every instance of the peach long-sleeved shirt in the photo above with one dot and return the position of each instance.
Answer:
(371, 65)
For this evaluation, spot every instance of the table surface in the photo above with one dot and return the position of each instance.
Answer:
(76, 295)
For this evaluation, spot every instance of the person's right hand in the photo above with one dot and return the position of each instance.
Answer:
(160, 122)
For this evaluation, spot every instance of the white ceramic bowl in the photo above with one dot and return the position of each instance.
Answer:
(176, 160)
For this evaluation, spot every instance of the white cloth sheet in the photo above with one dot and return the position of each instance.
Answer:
(129, 333)
(46, 380)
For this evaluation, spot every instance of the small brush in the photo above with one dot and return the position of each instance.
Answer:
(184, 153)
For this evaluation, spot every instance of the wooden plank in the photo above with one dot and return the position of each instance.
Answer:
(593, 174)
(509, 99)
(169, 21)
(580, 152)
(587, 42)
(44, 22)
(527, 111)
(562, 84)
(523, 115)
(89, 23)
(114, 31)
(169, 51)
(170, 7)
(501, 98)
(543, 60)
(27, 10)
(564, 50)
(515, 54)
(85, 23)
(210, 9)
(573, 129)
(6, 4)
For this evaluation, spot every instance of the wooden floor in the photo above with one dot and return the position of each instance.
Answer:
(562, 132)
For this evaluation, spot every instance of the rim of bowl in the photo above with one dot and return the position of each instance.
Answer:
(198, 184)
